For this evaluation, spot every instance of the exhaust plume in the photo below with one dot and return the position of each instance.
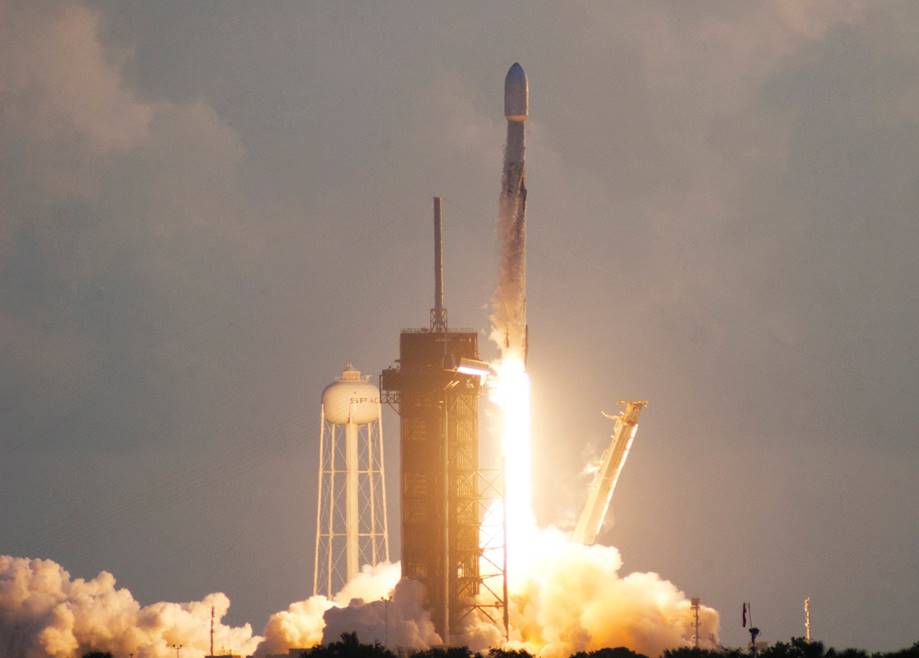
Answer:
(571, 598)
(565, 597)
(375, 604)
(400, 621)
(44, 613)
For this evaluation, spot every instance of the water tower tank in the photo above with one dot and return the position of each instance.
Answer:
(351, 398)
(351, 525)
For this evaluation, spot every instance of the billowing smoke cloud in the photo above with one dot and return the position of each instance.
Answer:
(44, 613)
(399, 622)
(375, 605)
(571, 598)
(564, 597)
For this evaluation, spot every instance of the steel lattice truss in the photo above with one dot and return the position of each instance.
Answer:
(330, 569)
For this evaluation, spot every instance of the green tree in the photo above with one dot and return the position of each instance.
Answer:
(912, 652)
(444, 652)
(606, 652)
(692, 652)
(846, 653)
(349, 647)
(509, 653)
(797, 647)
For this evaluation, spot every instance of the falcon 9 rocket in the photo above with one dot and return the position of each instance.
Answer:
(509, 324)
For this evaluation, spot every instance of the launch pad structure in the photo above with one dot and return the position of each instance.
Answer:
(444, 492)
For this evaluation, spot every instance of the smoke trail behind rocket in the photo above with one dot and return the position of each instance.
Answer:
(509, 324)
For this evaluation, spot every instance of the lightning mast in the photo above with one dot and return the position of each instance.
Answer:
(601, 490)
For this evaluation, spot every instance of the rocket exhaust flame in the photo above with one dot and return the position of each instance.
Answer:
(511, 394)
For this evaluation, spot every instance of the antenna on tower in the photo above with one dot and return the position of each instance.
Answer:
(439, 312)
(807, 619)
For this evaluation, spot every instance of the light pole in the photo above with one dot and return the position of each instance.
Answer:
(178, 648)
(753, 633)
(386, 600)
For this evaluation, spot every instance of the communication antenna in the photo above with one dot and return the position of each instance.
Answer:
(754, 632)
(807, 619)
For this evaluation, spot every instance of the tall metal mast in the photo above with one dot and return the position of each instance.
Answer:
(439, 312)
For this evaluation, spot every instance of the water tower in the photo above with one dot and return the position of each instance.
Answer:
(351, 527)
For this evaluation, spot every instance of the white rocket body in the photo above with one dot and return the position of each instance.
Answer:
(509, 301)
(516, 94)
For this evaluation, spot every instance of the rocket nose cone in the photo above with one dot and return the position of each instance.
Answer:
(516, 94)
(515, 75)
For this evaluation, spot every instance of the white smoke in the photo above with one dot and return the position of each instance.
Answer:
(564, 597)
(399, 622)
(375, 604)
(570, 598)
(44, 613)
(300, 626)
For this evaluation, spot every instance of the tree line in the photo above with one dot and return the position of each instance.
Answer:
(350, 647)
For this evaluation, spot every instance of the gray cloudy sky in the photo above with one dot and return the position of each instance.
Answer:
(207, 208)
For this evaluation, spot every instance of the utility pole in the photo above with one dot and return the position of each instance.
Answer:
(754, 632)
(386, 600)
(807, 619)
(212, 630)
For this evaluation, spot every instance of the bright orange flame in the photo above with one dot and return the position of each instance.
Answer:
(564, 596)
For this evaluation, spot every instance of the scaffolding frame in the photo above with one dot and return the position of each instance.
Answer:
(368, 539)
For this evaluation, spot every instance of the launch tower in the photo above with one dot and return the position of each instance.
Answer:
(442, 501)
